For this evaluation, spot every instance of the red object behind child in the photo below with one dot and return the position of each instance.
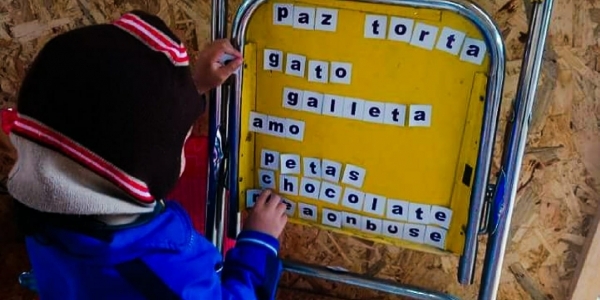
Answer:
(8, 117)
(191, 188)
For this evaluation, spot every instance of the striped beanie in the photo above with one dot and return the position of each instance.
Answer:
(115, 99)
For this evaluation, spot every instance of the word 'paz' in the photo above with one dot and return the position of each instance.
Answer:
(305, 17)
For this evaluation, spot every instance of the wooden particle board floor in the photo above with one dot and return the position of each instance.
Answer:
(559, 189)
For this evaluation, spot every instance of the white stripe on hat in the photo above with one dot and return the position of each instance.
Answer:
(154, 38)
(40, 133)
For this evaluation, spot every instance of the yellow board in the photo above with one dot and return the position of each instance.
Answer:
(415, 144)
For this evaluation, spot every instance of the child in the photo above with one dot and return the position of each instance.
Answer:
(104, 112)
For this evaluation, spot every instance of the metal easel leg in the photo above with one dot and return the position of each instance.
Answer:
(508, 181)
(215, 202)
(477, 206)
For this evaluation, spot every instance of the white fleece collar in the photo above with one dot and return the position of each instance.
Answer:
(47, 181)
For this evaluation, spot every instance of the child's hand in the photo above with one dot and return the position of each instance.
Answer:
(267, 216)
(209, 71)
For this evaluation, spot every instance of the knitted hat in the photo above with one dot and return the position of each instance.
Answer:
(118, 99)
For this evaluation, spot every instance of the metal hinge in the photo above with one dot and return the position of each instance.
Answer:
(490, 191)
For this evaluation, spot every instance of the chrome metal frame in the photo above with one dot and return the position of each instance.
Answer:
(493, 95)
(503, 202)
(514, 149)
(365, 282)
(215, 192)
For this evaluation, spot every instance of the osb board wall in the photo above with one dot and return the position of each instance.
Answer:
(560, 183)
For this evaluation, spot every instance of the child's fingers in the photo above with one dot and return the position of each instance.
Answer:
(230, 67)
(220, 47)
(281, 208)
(228, 48)
(274, 201)
(262, 198)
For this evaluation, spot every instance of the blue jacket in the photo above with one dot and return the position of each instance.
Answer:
(163, 259)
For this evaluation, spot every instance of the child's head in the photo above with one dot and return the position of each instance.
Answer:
(116, 99)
